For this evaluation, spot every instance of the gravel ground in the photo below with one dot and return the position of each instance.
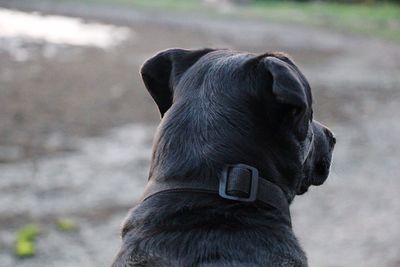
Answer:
(76, 126)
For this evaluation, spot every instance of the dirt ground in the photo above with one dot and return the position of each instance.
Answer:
(76, 128)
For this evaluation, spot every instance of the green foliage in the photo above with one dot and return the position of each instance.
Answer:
(24, 245)
(28, 232)
(335, 1)
(381, 20)
(66, 225)
(24, 248)
(370, 17)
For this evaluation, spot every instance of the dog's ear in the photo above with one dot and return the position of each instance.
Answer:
(287, 86)
(162, 72)
(291, 89)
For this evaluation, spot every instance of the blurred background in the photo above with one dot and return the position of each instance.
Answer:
(76, 123)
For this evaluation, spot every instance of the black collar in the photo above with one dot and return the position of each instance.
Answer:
(238, 182)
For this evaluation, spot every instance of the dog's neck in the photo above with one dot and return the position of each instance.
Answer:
(182, 153)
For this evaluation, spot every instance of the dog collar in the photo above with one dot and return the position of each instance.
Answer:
(238, 182)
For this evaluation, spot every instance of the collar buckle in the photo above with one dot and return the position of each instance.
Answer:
(239, 182)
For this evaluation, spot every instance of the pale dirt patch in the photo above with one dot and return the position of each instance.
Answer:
(59, 29)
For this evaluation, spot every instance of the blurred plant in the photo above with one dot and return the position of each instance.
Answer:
(25, 243)
(66, 225)
(336, 1)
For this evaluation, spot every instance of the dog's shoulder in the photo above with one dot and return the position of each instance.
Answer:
(178, 230)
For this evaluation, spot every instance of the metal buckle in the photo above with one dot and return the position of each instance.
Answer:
(253, 184)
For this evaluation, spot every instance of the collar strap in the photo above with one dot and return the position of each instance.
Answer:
(238, 182)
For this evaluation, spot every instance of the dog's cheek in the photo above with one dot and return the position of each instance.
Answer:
(309, 173)
(303, 188)
(321, 164)
(305, 181)
(321, 171)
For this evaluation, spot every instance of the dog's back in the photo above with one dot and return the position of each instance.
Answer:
(190, 230)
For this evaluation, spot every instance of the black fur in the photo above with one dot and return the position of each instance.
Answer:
(222, 107)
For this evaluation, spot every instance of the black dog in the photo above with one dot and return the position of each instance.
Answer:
(236, 143)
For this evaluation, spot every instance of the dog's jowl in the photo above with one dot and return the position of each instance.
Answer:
(236, 143)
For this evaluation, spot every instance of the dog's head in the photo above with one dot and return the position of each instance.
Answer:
(223, 107)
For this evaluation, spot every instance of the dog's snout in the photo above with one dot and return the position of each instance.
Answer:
(331, 137)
